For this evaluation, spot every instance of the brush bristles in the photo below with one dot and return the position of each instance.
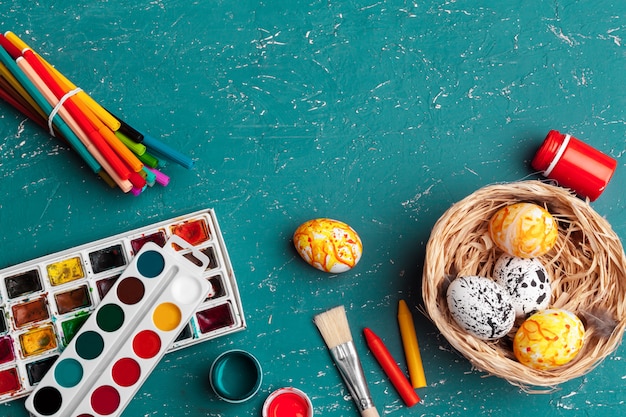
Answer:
(333, 325)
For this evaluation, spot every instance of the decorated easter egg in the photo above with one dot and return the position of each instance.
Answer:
(525, 230)
(549, 339)
(328, 245)
(481, 307)
(527, 282)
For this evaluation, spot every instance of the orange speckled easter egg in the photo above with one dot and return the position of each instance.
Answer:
(549, 339)
(328, 245)
(524, 230)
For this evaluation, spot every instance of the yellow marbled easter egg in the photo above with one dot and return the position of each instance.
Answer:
(524, 230)
(328, 245)
(549, 339)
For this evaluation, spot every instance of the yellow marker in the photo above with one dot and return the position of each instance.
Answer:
(15, 40)
(411, 348)
(123, 152)
(102, 114)
(107, 134)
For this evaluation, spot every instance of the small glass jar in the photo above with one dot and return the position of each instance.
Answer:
(574, 164)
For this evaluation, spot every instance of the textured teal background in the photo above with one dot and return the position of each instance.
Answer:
(378, 113)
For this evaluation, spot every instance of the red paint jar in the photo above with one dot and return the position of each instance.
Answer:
(287, 402)
(574, 164)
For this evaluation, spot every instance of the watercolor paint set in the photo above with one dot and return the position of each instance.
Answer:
(125, 337)
(45, 302)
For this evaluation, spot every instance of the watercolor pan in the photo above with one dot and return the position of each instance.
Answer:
(115, 350)
(68, 286)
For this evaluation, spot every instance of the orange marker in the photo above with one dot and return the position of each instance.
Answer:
(107, 134)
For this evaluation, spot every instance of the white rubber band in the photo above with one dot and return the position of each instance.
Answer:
(56, 108)
(557, 157)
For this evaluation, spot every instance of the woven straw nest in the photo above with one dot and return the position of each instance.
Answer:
(587, 267)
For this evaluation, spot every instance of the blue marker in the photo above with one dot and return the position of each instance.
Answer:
(150, 176)
(167, 151)
(30, 88)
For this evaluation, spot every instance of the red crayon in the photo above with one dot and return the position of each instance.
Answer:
(391, 368)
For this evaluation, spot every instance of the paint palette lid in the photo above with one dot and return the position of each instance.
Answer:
(288, 402)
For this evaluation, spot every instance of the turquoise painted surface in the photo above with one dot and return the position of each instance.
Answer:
(381, 114)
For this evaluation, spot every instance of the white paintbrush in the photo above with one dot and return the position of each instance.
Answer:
(333, 325)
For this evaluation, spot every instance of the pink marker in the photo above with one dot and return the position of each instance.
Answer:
(161, 178)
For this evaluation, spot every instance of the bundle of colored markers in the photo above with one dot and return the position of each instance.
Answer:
(121, 155)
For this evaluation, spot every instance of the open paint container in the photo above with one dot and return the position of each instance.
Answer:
(235, 376)
(288, 402)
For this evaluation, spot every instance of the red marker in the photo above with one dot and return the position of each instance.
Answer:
(391, 368)
(98, 141)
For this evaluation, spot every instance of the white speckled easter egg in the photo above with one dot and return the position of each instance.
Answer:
(527, 282)
(525, 230)
(481, 307)
(549, 339)
(328, 245)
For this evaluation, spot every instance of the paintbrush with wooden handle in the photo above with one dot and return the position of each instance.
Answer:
(333, 325)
